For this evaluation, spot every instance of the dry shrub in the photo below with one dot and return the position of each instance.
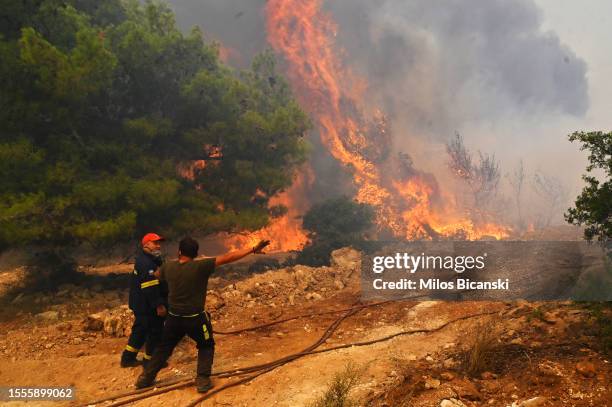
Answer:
(479, 354)
(337, 392)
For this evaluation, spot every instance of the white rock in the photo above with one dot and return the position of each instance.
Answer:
(451, 403)
(534, 402)
(313, 296)
(347, 259)
(115, 322)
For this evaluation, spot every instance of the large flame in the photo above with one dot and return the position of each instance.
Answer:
(305, 35)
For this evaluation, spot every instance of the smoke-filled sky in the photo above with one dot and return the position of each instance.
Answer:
(514, 77)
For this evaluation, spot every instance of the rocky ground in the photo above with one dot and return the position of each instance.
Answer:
(531, 354)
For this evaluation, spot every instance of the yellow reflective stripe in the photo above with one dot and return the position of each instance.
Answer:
(206, 334)
(131, 349)
(147, 357)
(149, 283)
(183, 316)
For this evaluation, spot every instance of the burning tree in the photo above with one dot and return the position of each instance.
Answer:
(406, 201)
(102, 102)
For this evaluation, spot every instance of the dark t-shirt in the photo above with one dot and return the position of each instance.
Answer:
(187, 284)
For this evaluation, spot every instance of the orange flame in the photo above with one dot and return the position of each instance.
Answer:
(285, 232)
(189, 170)
(305, 35)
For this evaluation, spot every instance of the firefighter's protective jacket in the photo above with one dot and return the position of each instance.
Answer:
(146, 291)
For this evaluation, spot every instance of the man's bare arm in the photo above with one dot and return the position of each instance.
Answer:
(239, 254)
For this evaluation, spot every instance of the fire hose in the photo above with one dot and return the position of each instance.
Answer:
(258, 370)
(344, 346)
(186, 382)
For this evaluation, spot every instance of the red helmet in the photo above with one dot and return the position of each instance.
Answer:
(151, 237)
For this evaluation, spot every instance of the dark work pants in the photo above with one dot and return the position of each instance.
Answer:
(197, 328)
(146, 330)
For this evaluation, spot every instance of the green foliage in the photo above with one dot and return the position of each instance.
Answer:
(334, 224)
(102, 102)
(593, 207)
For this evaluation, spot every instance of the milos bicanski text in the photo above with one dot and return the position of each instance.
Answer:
(412, 264)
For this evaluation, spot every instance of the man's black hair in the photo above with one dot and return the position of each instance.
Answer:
(189, 247)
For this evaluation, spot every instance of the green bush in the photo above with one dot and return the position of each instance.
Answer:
(334, 224)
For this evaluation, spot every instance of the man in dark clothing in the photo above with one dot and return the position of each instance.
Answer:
(148, 301)
(187, 281)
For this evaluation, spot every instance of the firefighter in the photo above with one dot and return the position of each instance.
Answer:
(187, 281)
(148, 301)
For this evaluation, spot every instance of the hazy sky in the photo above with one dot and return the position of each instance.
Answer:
(586, 26)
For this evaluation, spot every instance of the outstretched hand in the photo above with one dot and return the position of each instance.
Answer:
(260, 246)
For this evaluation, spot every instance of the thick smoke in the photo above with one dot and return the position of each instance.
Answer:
(439, 64)
(484, 68)
(435, 64)
(239, 25)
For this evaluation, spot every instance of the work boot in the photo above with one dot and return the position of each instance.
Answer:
(128, 359)
(203, 384)
(144, 380)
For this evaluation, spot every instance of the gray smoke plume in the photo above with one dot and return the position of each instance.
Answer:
(238, 24)
(484, 68)
(434, 64)
(439, 64)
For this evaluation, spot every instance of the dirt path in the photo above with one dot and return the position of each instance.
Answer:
(538, 348)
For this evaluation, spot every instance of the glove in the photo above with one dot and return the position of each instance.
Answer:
(260, 246)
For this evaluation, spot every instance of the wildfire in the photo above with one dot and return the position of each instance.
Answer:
(284, 232)
(190, 169)
(305, 35)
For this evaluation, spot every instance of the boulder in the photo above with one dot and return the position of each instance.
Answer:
(116, 322)
(95, 322)
(466, 389)
(346, 259)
